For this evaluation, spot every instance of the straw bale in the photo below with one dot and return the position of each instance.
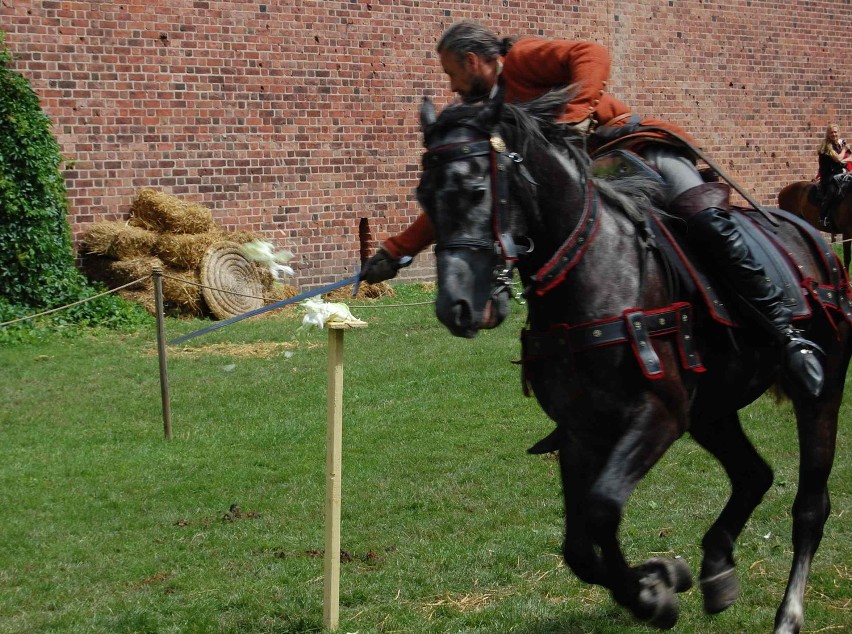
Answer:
(118, 240)
(365, 291)
(160, 211)
(375, 291)
(277, 293)
(125, 271)
(280, 292)
(242, 237)
(145, 298)
(96, 267)
(114, 273)
(185, 250)
(267, 279)
(181, 293)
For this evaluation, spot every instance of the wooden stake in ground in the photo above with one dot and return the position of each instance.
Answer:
(157, 274)
(334, 460)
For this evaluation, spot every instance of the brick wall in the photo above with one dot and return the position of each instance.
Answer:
(298, 119)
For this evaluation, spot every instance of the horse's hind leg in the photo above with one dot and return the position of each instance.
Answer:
(817, 425)
(750, 478)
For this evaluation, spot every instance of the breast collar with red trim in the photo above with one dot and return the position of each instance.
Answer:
(572, 250)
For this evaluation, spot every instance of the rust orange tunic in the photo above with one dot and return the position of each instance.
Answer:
(533, 67)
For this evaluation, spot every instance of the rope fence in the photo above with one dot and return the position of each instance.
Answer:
(185, 281)
(82, 301)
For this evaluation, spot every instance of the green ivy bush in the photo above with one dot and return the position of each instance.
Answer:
(37, 269)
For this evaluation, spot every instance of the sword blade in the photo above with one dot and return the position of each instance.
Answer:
(263, 309)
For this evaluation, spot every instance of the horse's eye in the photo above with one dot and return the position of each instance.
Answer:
(478, 193)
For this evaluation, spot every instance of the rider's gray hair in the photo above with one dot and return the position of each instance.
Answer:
(467, 36)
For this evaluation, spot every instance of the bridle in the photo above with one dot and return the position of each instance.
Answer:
(500, 162)
(552, 273)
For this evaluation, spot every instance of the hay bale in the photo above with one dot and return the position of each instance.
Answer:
(375, 291)
(278, 292)
(242, 237)
(118, 240)
(115, 273)
(144, 298)
(122, 272)
(267, 279)
(182, 292)
(159, 211)
(185, 250)
(365, 291)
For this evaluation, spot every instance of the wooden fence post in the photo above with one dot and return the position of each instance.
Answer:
(157, 275)
(334, 462)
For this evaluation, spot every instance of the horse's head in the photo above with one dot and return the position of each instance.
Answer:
(465, 190)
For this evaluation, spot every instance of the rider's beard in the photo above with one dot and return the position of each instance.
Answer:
(479, 90)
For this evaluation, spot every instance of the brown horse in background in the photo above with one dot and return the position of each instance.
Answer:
(800, 198)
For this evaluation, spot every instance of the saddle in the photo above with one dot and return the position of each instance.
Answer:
(700, 289)
(712, 295)
(759, 233)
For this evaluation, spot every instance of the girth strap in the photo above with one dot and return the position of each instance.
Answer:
(635, 327)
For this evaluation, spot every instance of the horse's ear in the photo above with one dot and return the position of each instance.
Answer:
(427, 114)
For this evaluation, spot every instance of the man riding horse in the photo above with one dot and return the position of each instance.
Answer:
(477, 62)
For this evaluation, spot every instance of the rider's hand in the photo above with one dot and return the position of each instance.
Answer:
(380, 267)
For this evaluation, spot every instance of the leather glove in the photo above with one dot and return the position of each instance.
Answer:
(380, 267)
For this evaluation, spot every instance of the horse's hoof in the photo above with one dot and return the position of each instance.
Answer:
(663, 603)
(720, 591)
(673, 572)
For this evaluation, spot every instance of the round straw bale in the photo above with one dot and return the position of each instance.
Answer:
(185, 250)
(231, 282)
(182, 292)
(159, 211)
(118, 240)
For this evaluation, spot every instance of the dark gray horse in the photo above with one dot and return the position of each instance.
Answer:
(611, 351)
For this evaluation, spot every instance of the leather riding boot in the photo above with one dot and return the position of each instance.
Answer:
(720, 242)
(827, 199)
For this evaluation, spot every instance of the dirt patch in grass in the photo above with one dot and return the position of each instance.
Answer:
(264, 350)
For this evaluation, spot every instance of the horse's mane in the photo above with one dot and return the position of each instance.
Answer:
(534, 122)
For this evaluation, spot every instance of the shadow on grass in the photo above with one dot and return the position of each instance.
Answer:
(606, 620)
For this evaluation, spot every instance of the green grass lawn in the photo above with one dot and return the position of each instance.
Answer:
(447, 525)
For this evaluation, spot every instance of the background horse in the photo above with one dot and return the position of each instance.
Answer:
(799, 198)
(503, 187)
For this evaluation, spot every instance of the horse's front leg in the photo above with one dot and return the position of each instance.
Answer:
(648, 590)
(579, 471)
